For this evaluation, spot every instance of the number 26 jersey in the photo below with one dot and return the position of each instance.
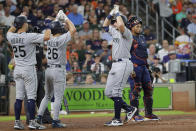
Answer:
(24, 47)
(56, 49)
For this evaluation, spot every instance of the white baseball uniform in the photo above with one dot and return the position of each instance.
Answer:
(55, 73)
(122, 67)
(25, 76)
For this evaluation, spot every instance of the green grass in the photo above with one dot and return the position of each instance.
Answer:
(100, 114)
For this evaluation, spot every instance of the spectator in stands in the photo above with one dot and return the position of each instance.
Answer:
(149, 36)
(7, 19)
(97, 68)
(81, 8)
(1, 10)
(176, 6)
(69, 79)
(164, 51)
(76, 70)
(88, 62)
(151, 54)
(164, 9)
(191, 7)
(158, 77)
(16, 12)
(172, 56)
(39, 20)
(99, 10)
(106, 36)
(73, 57)
(124, 10)
(103, 78)
(85, 33)
(75, 17)
(156, 63)
(93, 20)
(95, 41)
(186, 21)
(182, 14)
(55, 11)
(104, 52)
(87, 11)
(89, 79)
(11, 4)
(192, 27)
(88, 48)
(183, 42)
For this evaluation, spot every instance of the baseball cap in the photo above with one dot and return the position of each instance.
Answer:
(146, 27)
(96, 55)
(85, 21)
(171, 52)
(88, 52)
(156, 57)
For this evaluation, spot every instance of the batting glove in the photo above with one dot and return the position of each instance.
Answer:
(116, 9)
(47, 22)
(111, 14)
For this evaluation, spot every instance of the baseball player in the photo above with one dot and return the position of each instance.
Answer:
(121, 66)
(142, 79)
(56, 63)
(25, 73)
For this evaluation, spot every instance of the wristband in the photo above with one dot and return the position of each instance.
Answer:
(109, 17)
(117, 14)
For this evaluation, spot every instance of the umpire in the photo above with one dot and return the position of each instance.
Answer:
(41, 60)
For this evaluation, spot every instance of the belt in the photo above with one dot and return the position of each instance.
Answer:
(54, 66)
(118, 60)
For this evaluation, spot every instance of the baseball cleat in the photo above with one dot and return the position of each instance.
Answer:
(39, 119)
(58, 124)
(33, 125)
(130, 114)
(151, 117)
(114, 122)
(18, 125)
(137, 118)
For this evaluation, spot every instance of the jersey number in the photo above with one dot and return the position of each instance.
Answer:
(52, 53)
(19, 51)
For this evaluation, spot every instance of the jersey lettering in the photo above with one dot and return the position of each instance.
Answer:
(52, 53)
(19, 51)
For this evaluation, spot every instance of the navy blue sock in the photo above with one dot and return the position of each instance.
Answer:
(117, 106)
(31, 108)
(17, 108)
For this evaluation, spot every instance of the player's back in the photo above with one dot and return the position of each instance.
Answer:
(24, 47)
(121, 44)
(56, 49)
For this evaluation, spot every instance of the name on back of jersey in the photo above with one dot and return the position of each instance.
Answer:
(17, 40)
(53, 44)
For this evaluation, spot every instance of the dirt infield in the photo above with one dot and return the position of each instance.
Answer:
(167, 123)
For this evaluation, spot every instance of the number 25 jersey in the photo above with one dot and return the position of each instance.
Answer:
(56, 49)
(24, 47)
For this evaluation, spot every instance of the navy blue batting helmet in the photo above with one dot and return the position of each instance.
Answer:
(134, 20)
(57, 27)
(113, 20)
(19, 21)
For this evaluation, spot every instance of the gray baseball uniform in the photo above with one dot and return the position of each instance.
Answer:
(55, 73)
(25, 59)
(122, 68)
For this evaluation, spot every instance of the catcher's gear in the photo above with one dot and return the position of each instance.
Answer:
(133, 21)
(19, 21)
(57, 27)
